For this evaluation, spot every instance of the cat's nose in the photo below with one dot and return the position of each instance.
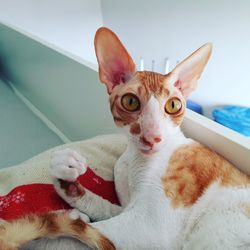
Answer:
(150, 141)
(157, 139)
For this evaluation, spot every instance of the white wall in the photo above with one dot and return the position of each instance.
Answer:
(159, 28)
(68, 24)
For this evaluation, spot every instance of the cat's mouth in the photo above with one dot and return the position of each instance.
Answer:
(148, 150)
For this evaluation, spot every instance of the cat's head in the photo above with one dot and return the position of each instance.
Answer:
(148, 106)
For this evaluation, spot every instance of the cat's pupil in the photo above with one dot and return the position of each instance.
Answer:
(131, 100)
(172, 104)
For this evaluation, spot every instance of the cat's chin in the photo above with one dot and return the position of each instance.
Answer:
(148, 152)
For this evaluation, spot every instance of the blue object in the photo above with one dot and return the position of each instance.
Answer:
(234, 117)
(194, 106)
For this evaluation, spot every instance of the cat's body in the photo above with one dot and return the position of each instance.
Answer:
(145, 211)
(143, 198)
(174, 192)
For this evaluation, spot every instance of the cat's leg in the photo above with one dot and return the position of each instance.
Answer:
(66, 166)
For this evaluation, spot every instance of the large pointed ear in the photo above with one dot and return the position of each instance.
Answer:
(186, 74)
(115, 64)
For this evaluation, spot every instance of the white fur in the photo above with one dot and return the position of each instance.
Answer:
(217, 220)
(146, 219)
(67, 164)
(76, 214)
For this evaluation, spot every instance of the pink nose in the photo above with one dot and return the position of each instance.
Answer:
(150, 142)
(157, 139)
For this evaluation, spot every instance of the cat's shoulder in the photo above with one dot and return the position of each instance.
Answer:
(192, 168)
(196, 152)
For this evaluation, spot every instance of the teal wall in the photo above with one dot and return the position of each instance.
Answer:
(22, 134)
(66, 91)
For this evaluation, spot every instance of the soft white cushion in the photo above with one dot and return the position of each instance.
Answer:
(101, 153)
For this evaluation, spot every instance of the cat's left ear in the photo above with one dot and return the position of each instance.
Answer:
(186, 74)
(115, 64)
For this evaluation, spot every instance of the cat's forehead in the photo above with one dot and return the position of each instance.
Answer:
(147, 83)
(154, 83)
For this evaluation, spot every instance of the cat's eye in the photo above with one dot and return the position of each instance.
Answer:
(130, 102)
(173, 106)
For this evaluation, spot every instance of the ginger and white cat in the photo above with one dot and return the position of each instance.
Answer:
(167, 184)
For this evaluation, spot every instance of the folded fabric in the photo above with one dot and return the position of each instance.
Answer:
(234, 117)
(194, 106)
(27, 188)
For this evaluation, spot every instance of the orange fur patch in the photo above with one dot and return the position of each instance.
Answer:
(135, 128)
(192, 169)
(48, 221)
(152, 82)
(78, 226)
(106, 244)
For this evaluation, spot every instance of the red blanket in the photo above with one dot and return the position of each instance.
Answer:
(41, 198)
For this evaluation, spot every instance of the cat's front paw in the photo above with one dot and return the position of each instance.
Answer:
(67, 164)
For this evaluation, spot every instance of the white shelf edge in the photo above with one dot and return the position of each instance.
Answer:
(218, 128)
(52, 46)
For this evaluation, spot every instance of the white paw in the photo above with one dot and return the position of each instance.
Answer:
(67, 164)
(76, 214)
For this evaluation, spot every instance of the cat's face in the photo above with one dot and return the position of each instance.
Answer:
(148, 106)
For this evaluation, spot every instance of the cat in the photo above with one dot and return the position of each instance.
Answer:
(166, 183)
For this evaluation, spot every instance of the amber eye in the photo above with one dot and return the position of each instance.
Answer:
(130, 102)
(173, 105)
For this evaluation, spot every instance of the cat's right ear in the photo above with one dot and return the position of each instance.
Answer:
(115, 64)
(186, 74)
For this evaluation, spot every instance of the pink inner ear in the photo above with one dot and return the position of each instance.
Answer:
(177, 84)
(115, 64)
(118, 73)
(118, 78)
